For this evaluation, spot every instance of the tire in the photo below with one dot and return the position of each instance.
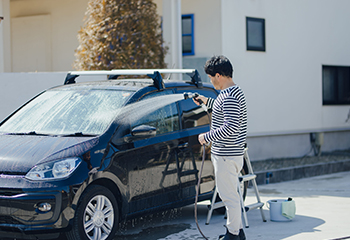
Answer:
(243, 186)
(97, 215)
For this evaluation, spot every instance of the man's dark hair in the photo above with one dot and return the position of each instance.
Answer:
(219, 64)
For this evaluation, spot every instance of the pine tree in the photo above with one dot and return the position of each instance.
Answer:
(120, 34)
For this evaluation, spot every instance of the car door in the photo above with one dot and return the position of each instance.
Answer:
(195, 120)
(149, 162)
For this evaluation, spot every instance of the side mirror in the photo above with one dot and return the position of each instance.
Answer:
(140, 132)
(144, 131)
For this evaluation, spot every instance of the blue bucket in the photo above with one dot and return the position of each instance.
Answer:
(276, 213)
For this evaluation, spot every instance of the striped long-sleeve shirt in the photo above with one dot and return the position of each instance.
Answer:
(229, 122)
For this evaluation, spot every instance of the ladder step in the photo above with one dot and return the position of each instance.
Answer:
(167, 172)
(253, 206)
(247, 177)
(188, 172)
(184, 173)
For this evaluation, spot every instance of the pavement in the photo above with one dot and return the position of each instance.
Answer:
(322, 213)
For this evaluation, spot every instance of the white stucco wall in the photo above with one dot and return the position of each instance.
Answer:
(207, 31)
(66, 20)
(283, 85)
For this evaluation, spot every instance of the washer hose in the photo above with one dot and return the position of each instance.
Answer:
(197, 193)
(188, 95)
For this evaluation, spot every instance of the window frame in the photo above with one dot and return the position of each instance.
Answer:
(255, 48)
(336, 87)
(191, 16)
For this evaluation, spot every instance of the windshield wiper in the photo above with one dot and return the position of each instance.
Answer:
(79, 134)
(31, 133)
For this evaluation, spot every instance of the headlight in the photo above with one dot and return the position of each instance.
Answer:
(54, 170)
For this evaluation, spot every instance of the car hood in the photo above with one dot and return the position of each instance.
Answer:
(18, 153)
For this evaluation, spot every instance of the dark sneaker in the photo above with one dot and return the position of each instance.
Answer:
(241, 234)
(229, 236)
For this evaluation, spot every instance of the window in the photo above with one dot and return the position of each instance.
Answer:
(164, 117)
(193, 115)
(255, 34)
(336, 85)
(187, 35)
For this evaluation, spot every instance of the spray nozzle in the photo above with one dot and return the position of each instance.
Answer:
(188, 95)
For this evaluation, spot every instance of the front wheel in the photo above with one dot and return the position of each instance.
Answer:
(97, 215)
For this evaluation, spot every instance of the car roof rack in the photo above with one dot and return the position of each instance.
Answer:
(155, 74)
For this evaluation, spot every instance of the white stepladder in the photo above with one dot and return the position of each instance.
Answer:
(250, 176)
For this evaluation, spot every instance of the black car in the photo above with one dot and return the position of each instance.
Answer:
(81, 157)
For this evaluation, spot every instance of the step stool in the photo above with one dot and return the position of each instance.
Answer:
(250, 176)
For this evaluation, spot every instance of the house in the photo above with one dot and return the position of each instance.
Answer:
(290, 57)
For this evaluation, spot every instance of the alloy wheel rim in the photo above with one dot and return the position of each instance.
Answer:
(98, 218)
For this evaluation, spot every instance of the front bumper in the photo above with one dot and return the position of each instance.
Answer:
(22, 208)
(19, 211)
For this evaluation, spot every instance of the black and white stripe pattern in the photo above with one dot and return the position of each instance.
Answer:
(229, 122)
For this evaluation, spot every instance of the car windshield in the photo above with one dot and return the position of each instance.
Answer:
(68, 112)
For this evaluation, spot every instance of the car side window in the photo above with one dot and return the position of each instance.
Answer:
(193, 115)
(165, 118)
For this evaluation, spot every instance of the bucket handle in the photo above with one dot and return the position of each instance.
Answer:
(268, 203)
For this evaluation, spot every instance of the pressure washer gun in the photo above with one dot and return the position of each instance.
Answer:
(188, 95)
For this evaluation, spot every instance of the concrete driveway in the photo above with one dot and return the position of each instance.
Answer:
(322, 212)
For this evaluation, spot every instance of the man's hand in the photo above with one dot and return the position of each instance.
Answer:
(201, 139)
(202, 98)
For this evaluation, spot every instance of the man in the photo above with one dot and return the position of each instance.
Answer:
(228, 136)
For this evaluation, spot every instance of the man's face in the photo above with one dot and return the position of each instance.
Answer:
(215, 81)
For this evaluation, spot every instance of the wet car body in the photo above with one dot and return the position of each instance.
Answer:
(146, 165)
